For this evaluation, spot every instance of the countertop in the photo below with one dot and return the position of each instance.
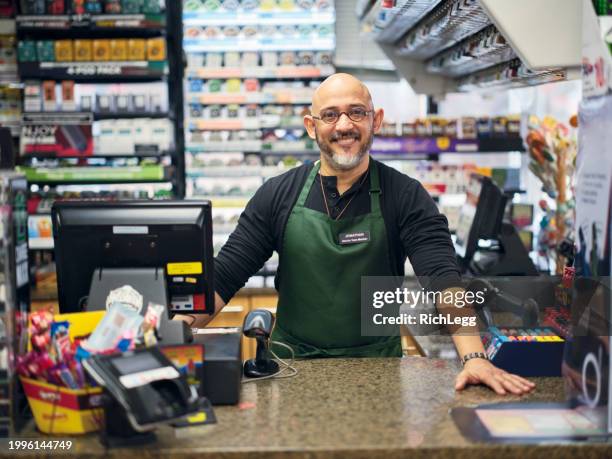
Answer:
(349, 408)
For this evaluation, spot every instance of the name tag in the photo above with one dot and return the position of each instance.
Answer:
(354, 238)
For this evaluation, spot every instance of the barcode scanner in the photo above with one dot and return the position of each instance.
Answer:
(258, 324)
(527, 309)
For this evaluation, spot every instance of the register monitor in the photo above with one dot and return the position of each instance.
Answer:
(123, 242)
(482, 219)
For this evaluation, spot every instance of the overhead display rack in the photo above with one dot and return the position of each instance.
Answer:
(442, 46)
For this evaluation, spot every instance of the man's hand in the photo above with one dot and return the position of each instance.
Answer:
(481, 371)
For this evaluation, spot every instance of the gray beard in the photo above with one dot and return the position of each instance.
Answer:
(343, 162)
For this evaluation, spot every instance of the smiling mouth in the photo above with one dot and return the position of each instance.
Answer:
(345, 140)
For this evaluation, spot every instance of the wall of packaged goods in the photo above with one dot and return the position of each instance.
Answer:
(205, 99)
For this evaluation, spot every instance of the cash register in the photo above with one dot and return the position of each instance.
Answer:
(482, 219)
(163, 249)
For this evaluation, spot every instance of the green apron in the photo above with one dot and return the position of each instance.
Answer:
(319, 307)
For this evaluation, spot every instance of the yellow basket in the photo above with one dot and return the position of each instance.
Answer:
(58, 410)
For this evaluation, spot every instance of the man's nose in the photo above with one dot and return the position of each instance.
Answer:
(344, 122)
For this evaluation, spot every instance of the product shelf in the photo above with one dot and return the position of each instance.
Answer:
(389, 146)
(271, 112)
(278, 97)
(287, 71)
(436, 52)
(238, 124)
(195, 18)
(403, 17)
(106, 23)
(58, 117)
(224, 146)
(97, 175)
(442, 29)
(108, 71)
(135, 154)
(243, 44)
(510, 74)
(235, 171)
(469, 57)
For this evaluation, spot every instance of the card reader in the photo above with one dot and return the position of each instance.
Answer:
(145, 385)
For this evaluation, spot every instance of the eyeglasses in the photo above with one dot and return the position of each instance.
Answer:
(355, 114)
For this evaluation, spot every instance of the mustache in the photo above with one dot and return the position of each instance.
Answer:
(345, 135)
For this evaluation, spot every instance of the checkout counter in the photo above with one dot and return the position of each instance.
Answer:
(346, 408)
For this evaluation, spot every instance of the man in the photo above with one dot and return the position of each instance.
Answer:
(304, 215)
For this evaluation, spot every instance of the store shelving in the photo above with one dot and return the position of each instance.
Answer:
(442, 144)
(125, 85)
(94, 71)
(275, 73)
(10, 87)
(96, 175)
(443, 46)
(250, 75)
(92, 23)
(228, 18)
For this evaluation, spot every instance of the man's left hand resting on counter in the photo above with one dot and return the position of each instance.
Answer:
(333, 222)
(481, 371)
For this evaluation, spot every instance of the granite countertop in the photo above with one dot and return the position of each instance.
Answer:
(349, 408)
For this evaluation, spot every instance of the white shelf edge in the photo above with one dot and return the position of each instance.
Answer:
(544, 33)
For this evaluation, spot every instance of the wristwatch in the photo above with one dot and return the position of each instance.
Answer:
(473, 355)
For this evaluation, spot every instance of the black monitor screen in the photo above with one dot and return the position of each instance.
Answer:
(481, 216)
(175, 235)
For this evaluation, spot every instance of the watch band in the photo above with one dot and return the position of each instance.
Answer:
(474, 355)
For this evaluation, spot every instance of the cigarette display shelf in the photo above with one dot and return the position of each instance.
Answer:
(80, 24)
(139, 168)
(98, 175)
(106, 71)
(54, 155)
(90, 116)
(10, 86)
(443, 46)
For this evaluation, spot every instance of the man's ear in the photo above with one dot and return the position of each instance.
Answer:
(309, 124)
(379, 115)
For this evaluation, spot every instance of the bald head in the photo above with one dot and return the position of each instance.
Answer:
(343, 121)
(340, 86)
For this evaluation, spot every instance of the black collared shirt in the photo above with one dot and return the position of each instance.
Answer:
(415, 227)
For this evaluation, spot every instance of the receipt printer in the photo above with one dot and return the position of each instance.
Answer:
(143, 389)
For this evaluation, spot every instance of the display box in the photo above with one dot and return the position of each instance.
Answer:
(57, 140)
(58, 410)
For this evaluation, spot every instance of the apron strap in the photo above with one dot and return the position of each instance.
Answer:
(375, 191)
(309, 181)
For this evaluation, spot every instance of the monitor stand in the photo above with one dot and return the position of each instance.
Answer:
(512, 260)
(151, 284)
